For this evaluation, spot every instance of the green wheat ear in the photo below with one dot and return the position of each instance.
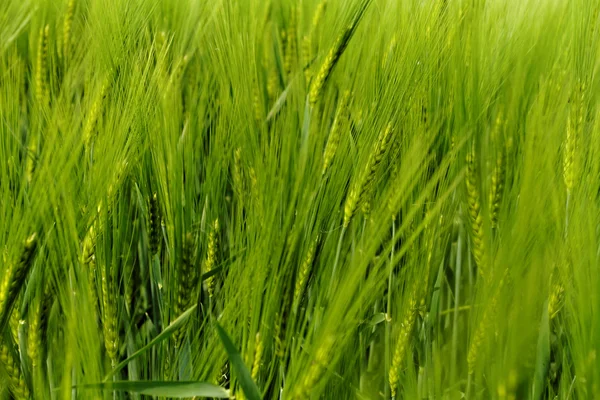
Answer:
(14, 277)
(475, 213)
(333, 141)
(333, 56)
(364, 182)
(211, 256)
(187, 278)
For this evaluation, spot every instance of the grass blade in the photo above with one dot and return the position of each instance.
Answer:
(177, 390)
(248, 386)
(159, 338)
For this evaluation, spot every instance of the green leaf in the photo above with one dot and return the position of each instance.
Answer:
(169, 330)
(163, 388)
(377, 319)
(248, 386)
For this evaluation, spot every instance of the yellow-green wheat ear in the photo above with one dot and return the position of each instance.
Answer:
(556, 299)
(304, 272)
(333, 141)
(569, 155)
(41, 70)
(15, 382)
(333, 56)
(308, 43)
(480, 334)
(14, 277)
(67, 27)
(32, 154)
(88, 259)
(315, 371)
(211, 256)
(109, 316)
(475, 214)
(187, 277)
(291, 51)
(154, 224)
(365, 180)
(402, 342)
(258, 353)
(497, 187)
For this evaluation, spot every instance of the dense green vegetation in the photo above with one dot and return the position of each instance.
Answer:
(299, 199)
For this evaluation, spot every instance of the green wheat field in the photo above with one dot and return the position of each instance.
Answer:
(299, 199)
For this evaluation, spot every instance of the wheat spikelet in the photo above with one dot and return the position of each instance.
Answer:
(258, 351)
(88, 259)
(481, 332)
(109, 317)
(475, 214)
(187, 279)
(211, 256)
(308, 43)
(365, 180)
(333, 141)
(316, 369)
(38, 322)
(154, 224)
(333, 56)
(329, 64)
(569, 156)
(289, 60)
(236, 173)
(67, 26)
(402, 343)
(94, 113)
(14, 275)
(16, 383)
(32, 151)
(41, 89)
(304, 271)
(497, 187)
(14, 321)
(555, 300)
(272, 82)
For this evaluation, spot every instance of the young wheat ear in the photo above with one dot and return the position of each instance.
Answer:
(474, 203)
(336, 51)
(16, 382)
(187, 278)
(14, 277)
(67, 26)
(365, 180)
(341, 116)
(211, 256)
(41, 70)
